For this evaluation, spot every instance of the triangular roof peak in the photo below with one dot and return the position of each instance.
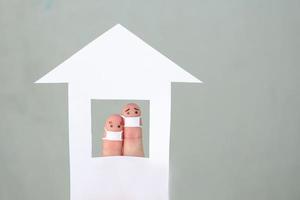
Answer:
(117, 55)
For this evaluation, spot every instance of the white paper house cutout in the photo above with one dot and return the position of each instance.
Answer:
(118, 65)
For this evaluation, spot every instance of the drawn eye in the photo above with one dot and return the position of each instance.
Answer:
(128, 113)
(136, 112)
(119, 126)
(111, 125)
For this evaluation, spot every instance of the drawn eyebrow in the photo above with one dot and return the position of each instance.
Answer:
(127, 110)
(110, 122)
(136, 109)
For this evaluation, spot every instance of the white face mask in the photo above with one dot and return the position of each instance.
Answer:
(132, 121)
(113, 135)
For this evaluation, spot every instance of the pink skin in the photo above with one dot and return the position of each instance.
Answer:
(113, 148)
(131, 110)
(133, 144)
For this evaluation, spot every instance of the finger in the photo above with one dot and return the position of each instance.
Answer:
(133, 141)
(113, 136)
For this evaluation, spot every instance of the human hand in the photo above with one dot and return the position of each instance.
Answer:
(123, 133)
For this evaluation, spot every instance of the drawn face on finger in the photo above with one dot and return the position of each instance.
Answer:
(131, 110)
(114, 123)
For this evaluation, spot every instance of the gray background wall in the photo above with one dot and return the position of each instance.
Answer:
(234, 137)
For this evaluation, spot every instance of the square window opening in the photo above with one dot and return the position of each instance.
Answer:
(101, 110)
